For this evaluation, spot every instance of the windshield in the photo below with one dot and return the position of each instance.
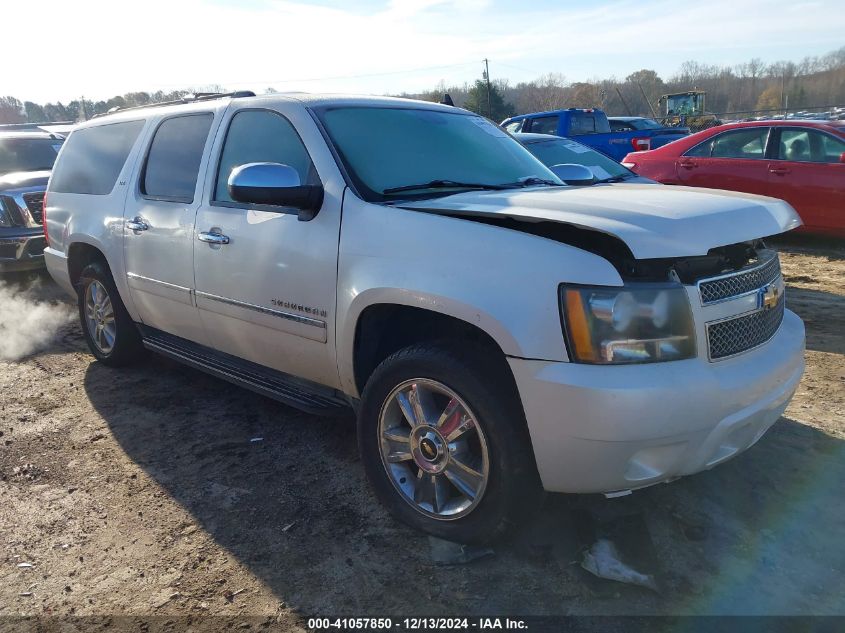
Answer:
(645, 124)
(684, 104)
(28, 154)
(557, 151)
(385, 148)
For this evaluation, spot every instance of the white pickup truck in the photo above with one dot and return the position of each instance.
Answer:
(497, 331)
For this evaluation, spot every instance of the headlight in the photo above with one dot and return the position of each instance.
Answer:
(633, 324)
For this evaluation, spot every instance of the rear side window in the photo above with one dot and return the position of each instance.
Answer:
(93, 157)
(173, 161)
(544, 125)
(586, 123)
(747, 143)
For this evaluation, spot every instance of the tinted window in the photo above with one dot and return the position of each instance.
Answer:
(747, 143)
(620, 126)
(28, 154)
(259, 136)
(832, 148)
(645, 124)
(174, 158)
(809, 146)
(544, 125)
(701, 150)
(587, 123)
(93, 157)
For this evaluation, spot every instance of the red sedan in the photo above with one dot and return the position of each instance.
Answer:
(802, 162)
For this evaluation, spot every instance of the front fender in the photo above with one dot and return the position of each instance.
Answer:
(502, 281)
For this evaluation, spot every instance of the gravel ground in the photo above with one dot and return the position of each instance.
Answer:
(159, 490)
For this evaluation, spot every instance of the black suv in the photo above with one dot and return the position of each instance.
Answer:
(26, 158)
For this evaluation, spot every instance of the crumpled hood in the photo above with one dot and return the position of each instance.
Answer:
(653, 220)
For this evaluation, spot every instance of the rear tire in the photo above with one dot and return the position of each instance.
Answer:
(467, 474)
(112, 336)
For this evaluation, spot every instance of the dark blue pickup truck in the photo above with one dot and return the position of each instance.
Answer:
(592, 128)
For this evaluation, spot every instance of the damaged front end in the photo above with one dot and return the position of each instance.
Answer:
(686, 270)
(736, 291)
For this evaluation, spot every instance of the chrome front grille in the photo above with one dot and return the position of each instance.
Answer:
(739, 283)
(35, 204)
(742, 333)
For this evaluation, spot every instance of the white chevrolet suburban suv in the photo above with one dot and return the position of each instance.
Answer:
(497, 331)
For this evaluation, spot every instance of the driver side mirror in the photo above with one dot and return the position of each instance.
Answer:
(275, 185)
(573, 173)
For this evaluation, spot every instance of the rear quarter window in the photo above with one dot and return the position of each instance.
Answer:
(92, 158)
(702, 150)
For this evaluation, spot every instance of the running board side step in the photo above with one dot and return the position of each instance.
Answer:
(295, 392)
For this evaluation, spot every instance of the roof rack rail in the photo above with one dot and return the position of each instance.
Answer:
(33, 126)
(189, 98)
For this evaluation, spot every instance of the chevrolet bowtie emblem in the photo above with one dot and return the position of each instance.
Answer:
(768, 296)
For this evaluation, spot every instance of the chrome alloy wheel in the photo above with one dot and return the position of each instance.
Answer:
(99, 317)
(433, 449)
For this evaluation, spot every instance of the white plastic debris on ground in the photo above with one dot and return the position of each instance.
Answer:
(602, 560)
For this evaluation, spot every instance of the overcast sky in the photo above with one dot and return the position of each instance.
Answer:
(99, 48)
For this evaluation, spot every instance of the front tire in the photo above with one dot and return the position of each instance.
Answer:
(444, 442)
(111, 334)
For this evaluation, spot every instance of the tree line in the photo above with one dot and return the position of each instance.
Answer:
(13, 110)
(754, 85)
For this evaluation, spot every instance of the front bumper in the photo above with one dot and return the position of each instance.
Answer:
(616, 428)
(21, 249)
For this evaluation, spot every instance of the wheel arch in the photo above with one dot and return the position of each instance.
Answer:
(81, 254)
(382, 322)
(83, 250)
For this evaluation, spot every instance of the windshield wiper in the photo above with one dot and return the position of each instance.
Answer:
(444, 184)
(619, 178)
(530, 181)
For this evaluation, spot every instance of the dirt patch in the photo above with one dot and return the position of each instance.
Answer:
(160, 490)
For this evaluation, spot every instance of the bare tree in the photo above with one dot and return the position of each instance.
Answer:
(11, 110)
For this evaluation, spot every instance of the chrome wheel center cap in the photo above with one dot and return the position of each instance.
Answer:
(429, 449)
